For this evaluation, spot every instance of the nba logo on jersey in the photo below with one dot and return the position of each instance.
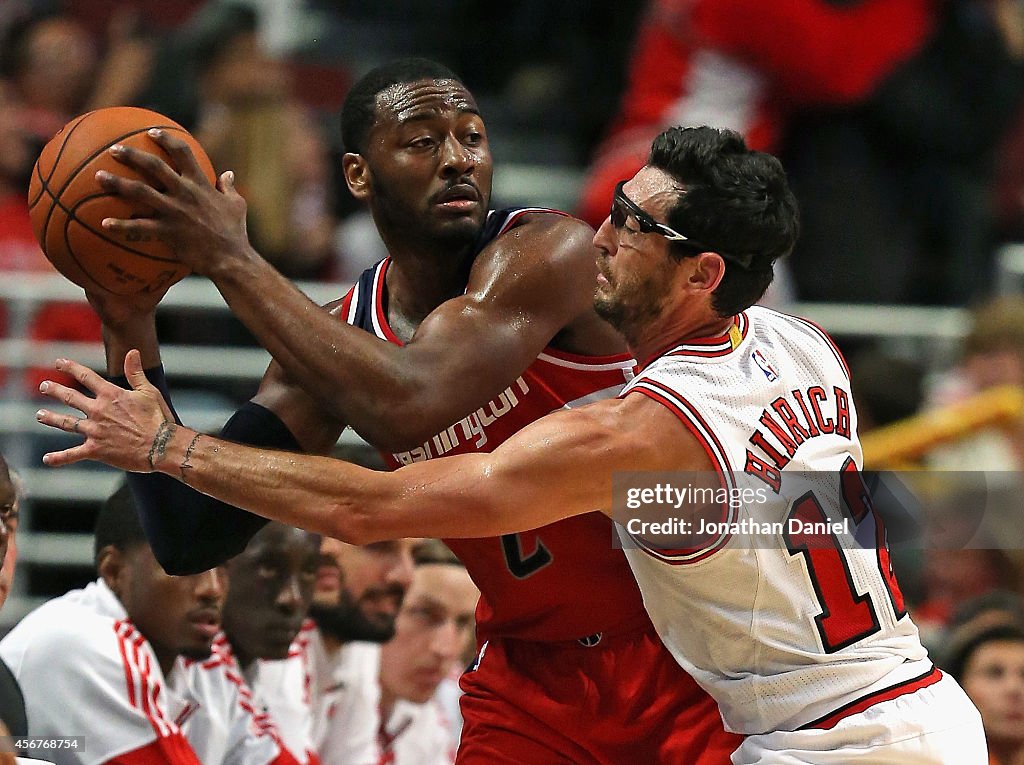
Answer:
(761, 361)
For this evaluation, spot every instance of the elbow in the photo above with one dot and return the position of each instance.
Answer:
(399, 428)
(354, 525)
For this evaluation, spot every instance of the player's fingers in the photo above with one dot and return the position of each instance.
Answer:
(180, 152)
(85, 377)
(133, 370)
(132, 190)
(69, 423)
(133, 229)
(67, 456)
(65, 395)
(226, 183)
(158, 172)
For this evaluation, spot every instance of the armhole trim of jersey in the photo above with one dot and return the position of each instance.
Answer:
(143, 692)
(692, 421)
(824, 336)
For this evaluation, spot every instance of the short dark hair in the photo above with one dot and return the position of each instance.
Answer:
(736, 199)
(962, 652)
(117, 523)
(360, 108)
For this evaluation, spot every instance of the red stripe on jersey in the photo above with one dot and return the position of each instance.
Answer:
(128, 675)
(690, 420)
(704, 347)
(346, 304)
(525, 211)
(167, 750)
(830, 720)
(378, 302)
(142, 695)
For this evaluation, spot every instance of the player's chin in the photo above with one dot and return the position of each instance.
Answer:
(460, 223)
(198, 650)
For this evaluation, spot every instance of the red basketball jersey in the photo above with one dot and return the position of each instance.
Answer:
(563, 581)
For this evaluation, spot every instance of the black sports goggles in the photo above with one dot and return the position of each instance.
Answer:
(624, 207)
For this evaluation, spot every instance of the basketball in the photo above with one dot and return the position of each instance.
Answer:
(67, 203)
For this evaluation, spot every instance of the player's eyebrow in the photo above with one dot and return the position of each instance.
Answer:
(429, 114)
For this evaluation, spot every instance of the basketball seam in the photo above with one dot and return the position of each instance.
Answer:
(44, 183)
(72, 175)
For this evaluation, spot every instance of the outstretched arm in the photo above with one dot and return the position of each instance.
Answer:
(523, 291)
(189, 531)
(569, 456)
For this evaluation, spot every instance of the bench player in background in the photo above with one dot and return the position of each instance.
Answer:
(110, 647)
(804, 643)
(477, 323)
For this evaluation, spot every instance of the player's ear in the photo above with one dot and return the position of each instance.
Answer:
(357, 175)
(111, 566)
(708, 271)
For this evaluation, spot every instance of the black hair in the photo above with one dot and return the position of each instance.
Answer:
(961, 654)
(735, 199)
(359, 111)
(117, 523)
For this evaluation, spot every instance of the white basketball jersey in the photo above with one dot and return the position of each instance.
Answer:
(220, 717)
(783, 627)
(85, 670)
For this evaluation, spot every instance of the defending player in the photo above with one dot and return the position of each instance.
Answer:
(477, 324)
(804, 643)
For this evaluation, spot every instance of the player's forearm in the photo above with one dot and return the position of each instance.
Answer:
(443, 498)
(316, 493)
(121, 337)
(396, 398)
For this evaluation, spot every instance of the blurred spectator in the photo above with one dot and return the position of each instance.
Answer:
(953, 577)
(359, 591)
(990, 609)
(19, 250)
(993, 355)
(745, 64)
(897, 193)
(433, 631)
(131, 624)
(12, 703)
(60, 71)
(886, 388)
(990, 666)
(250, 121)
(271, 589)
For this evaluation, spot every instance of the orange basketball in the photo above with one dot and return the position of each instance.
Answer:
(67, 204)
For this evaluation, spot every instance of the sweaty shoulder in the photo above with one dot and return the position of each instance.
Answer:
(544, 261)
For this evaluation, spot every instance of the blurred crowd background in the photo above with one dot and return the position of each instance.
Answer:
(901, 123)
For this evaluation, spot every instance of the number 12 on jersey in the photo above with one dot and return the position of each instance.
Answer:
(847, 616)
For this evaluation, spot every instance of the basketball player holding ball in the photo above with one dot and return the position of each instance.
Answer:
(67, 205)
(477, 323)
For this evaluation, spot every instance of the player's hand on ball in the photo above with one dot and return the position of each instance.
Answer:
(203, 225)
(119, 425)
(120, 310)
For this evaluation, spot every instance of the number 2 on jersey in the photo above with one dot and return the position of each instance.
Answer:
(521, 566)
(847, 616)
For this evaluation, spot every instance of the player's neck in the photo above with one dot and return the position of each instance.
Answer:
(331, 644)
(416, 285)
(387, 702)
(658, 337)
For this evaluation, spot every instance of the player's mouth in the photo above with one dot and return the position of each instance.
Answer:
(462, 197)
(206, 622)
(282, 632)
(328, 579)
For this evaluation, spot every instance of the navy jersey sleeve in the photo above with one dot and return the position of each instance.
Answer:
(189, 531)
